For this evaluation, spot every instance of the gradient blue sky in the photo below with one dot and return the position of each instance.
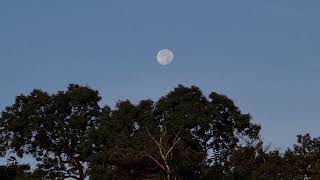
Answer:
(263, 54)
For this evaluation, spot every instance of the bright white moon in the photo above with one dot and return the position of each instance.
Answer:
(165, 56)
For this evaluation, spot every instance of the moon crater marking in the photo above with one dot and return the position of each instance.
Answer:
(165, 57)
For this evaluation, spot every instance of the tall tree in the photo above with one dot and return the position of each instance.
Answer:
(304, 158)
(180, 135)
(257, 162)
(54, 129)
(183, 135)
(300, 162)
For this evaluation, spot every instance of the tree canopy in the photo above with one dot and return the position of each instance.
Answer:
(183, 135)
(53, 129)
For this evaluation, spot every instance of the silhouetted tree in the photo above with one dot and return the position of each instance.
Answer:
(255, 162)
(175, 137)
(14, 171)
(301, 162)
(183, 135)
(53, 128)
(304, 159)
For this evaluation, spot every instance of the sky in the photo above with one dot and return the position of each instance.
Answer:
(265, 55)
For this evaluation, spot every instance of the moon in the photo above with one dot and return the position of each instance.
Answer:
(165, 57)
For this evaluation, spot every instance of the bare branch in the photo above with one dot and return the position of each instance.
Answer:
(161, 151)
(175, 141)
(204, 160)
(156, 162)
(152, 137)
(159, 144)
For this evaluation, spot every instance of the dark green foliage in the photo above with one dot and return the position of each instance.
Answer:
(301, 162)
(253, 162)
(14, 171)
(184, 135)
(53, 128)
(304, 159)
(176, 137)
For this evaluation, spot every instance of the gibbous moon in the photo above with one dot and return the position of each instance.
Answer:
(165, 56)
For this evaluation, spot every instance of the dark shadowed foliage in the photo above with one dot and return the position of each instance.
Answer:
(183, 135)
(53, 129)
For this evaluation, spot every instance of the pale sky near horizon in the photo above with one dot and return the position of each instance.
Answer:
(265, 55)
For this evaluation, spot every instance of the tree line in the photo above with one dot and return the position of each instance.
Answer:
(184, 135)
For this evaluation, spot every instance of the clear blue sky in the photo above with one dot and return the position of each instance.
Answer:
(263, 54)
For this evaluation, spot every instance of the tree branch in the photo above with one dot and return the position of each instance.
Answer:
(152, 137)
(156, 162)
(175, 141)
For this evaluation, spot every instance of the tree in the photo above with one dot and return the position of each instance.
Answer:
(304, 159)
(180, 136)
(116, 154)
(211, 127)
(54, 129)
(183, 135)
(257, 162)
(13, 170)
(300, 162)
